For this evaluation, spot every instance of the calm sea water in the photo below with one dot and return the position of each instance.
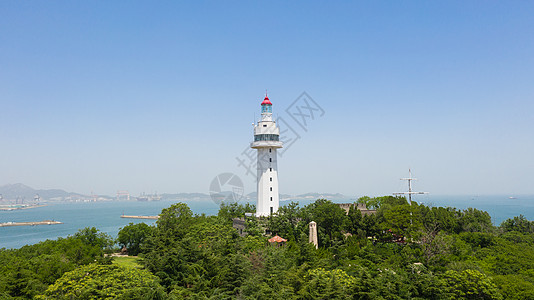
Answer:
(106, 215)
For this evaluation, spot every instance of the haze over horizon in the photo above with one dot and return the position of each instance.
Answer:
(145, 97)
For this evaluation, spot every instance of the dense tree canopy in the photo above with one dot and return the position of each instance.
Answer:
(403, 251)
(28, 271)
(105, 282)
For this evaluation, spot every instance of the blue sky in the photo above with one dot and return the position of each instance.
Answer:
(159, 96)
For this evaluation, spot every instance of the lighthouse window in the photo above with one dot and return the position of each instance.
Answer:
(266, 137)
(264, 125)
(271, 210)
(271, 169)
(270, 159)
(266, 109)
(270, 149)
(271, 188)
(271, 198)
(271, 179)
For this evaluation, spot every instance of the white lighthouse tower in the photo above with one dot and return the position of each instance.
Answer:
(267, 141)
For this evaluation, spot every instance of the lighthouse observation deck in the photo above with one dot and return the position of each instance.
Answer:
(266, 140)
(266, 144)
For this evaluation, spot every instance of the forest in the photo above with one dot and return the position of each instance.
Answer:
(403, 251)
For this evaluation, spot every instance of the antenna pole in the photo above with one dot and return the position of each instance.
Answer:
(410, 192)
(410, 186)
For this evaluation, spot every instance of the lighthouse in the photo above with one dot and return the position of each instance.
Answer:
(267, 141)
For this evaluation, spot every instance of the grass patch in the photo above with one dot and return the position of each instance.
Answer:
(127, 261)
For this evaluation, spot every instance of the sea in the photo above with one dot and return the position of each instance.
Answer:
(106, 216)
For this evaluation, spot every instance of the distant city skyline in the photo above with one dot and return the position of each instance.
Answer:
(160, 97)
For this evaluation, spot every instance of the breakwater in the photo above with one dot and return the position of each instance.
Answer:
(45, 222)
(140, 217)
(19, 206)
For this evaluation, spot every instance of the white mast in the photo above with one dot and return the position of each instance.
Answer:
(410, 192)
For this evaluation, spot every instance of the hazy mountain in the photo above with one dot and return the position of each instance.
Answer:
(253, 195)
(19, 190)
(319, 195)
(184, 196)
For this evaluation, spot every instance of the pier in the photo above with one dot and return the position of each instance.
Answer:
(45, 222)
(140, 217)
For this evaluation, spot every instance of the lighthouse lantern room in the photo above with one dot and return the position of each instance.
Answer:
(267, 141)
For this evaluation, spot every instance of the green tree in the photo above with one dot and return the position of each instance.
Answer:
(470, 284)
(132, 236)
(436, 219)
(327, 284)
(370, 225)
(28, 271)
(400, 220)
(378, 202)
(285, 222)
(475, 220)
(354, 220)
(520, 224)
(330, 219)
(516, 287)
(234, 210)
(370, 203)
(174, 221)
(91, 236)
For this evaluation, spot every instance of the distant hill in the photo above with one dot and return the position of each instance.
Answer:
(184, 196)
(19, 190)
(253, 195)
(319, 195)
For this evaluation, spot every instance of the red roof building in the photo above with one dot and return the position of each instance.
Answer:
(277, 239)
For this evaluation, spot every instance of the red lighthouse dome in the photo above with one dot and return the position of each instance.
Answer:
(266, 105)
(266, 101)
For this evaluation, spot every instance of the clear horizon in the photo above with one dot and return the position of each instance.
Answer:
(146, 97)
